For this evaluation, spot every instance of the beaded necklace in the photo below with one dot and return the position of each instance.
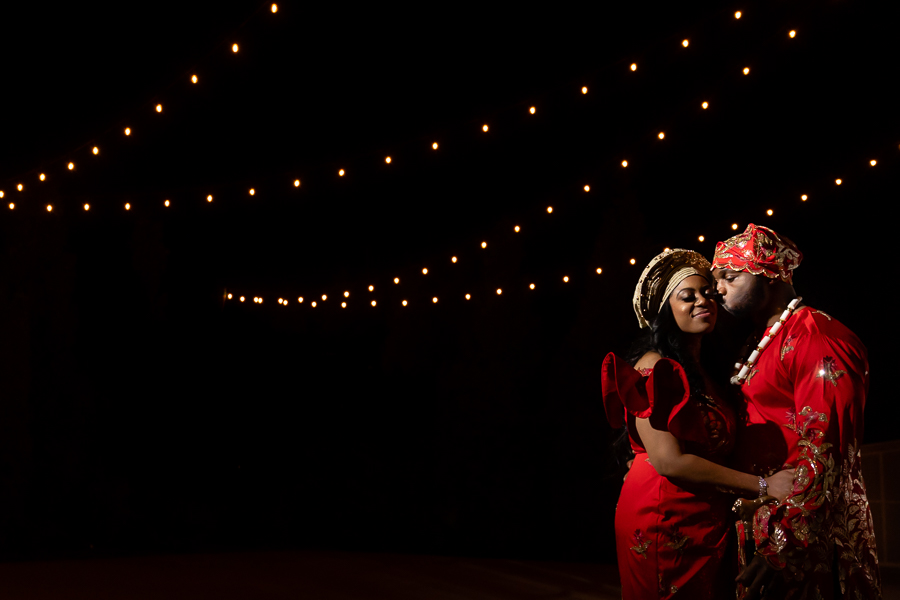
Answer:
(744, 368)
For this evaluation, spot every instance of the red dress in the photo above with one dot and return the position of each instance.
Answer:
(805, 398)
(669, 538)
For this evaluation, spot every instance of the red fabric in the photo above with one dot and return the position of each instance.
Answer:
(805, 398)
(669, 539)
(760, 251)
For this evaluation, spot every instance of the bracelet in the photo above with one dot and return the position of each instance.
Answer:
(763, 487)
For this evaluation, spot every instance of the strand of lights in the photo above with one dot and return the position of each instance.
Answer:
(274, 8)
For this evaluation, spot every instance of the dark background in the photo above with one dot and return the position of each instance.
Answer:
(142, 412)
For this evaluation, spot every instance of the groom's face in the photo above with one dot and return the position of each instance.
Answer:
(740, 293)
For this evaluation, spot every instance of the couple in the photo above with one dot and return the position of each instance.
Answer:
(785, 430)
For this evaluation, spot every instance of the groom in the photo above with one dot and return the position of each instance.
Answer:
(804, 384)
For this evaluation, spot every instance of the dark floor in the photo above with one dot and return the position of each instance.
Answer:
(315, 575)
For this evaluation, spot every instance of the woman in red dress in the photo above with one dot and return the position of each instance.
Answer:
(674, 511)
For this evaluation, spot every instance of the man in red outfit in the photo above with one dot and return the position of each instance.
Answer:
(804, 378)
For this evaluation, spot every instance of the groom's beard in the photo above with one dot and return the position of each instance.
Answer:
(742, 307)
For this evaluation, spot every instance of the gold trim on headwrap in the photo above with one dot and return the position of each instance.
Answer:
(759, 251)
(661, 277)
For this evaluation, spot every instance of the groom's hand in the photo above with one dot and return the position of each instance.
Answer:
(758, 578)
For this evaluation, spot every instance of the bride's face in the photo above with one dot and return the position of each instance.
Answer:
(692, 305)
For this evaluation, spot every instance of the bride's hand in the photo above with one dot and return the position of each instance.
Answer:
(781, 484)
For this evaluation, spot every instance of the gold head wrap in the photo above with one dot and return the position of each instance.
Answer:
(661, 277)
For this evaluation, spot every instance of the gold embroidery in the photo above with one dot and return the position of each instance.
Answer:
(750, 376)
(828, 371)
(678, 542)
(819, 312)
(787, 347)
(640, 544)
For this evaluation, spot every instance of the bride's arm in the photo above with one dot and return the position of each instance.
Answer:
(666, 457)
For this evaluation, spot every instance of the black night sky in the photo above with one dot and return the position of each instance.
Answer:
(141, 412)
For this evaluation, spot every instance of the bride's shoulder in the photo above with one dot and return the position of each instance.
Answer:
(647, 361)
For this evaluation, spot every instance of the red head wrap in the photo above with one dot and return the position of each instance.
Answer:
(759, 251)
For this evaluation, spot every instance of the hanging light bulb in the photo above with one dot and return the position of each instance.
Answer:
(499, 291)
(159, 108)
(453, 259)
(229, 296)
(531, 110)
(701, 238)
(49, 208)
(632, 260)
(371, 288)
(87, 207)
(737, 15)
(746, 70)
(734, 226)
(549, 209)
(838, 181)
(42, 177)
(396, 280)
(95, 150)
(234, 48)
(425, 271)
(792, 34)
(599, 270)
(516, 229)
(872, 162)
(12, 205)
(531, 286)
(484, 127)
(484, 244)
(324, 297)
(193, 79)
(804, 197)
(341, 172)
(127, 206)
(71, 166)
(769, 212)
(705, 105)
(387, 159)
(566, 279)
(296, 183)
(252, 192)
(468, 297)
(242, 298)
(634, 66)
(373, 303)
(300, 299)
(584, 90)
(684, 43)
(434, 299)
(343, 305)
(434, 146)
(20, 187)
(274, 8)
(346, 294)
(403, 303)
(209, 198)
(624, 163)
(587, 188)
(166, 203)
(313, 304)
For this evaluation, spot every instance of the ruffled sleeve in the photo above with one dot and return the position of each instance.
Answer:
(662, 397)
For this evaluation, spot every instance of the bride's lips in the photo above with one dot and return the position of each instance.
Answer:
(700, 315)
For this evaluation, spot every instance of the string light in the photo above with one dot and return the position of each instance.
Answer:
(2, 194)
(631, 261)
(127, 206)
(734, 226)
(159, 108)
(435, 299)
(484, 127)
(792, 33)
(403, 303)
(396, 280)
(838, 181)
(666, 249)
(387, 159)
(531, 286)
(634, 66)
(229, 296)
(371, 288)
(484, 244)
(12, 205)
(452, 259)
(313, 304)
(252, 192)
(296, 183)
(128, 131)
(584, 90)
(516, 229)
(662, 135)
(300, 299)
(166, 203)
(193, 79)
(804, 197)
(872, 162)
(274, 8)
(242, 298)
(209, 198)
(599, 271)
(549, 209)
(324, 297)
(499, 291)
(434, 146)
(684, 43)
(587, 188)
(425, 271)
(769, 212)
(746, 70)
(347, 294)
(42, 177)
(95, 150)
(624, 163)
(566, 279)
(70, 166)
(341, 172)
(531, 110)
(285, 302)
(737, 15)
(20, 187)
(49, 208)
(87, 207)
(234, 48)
(705, 105)
(343, 305)
(280, 300)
